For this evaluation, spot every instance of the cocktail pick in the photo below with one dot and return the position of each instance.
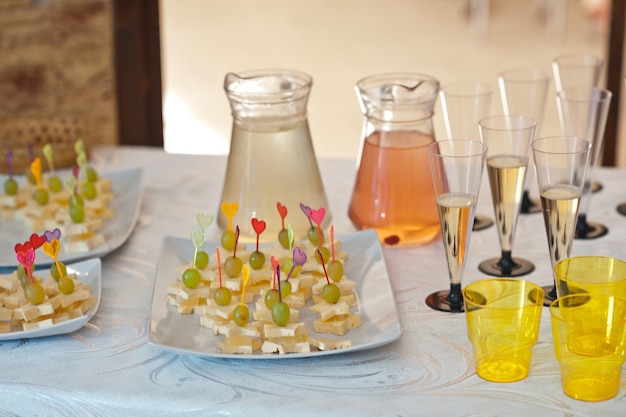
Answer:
(307, 212)
(319, 254)
(35, 168)
(70, 184)
(204, 220)
(236, 241)
(290, 235)
(52, 250)
(282, 211)
(318, 217)
(47, 153)
(299, 258)
(81, 161)
(37, 240)
(27, 258)
(229, 210)
(275, 264)
(259, 227)
(197, 237)
(332, 241)
(245, 274)
(280, 297)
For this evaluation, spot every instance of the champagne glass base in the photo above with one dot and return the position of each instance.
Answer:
(590, 230)
(595, 187)
(481, 223)
(529, 205)
(493, 267)
(550, 291)
(438, 301)
(621, 209)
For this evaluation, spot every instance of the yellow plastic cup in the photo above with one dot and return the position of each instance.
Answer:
(592, 275)
(503, 317)
(589, 334)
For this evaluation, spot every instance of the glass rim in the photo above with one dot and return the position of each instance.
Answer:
(548, 139)
(433, 148)
(585, 59)
(605, 259)
(524, 75)
(555, 304)
(603, 95)
(480, 89)
(302, 82)
(529, 122)
(531, 287)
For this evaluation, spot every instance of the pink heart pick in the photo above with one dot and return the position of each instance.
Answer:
(26, 258)
(318, 215)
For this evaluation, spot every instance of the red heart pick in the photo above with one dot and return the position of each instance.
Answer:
(23, 247)
(37, 240)
(282, 210)
(275, 262)
(318, 215)
(258, 225)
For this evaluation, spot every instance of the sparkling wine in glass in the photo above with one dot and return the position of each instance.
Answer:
(561, 165)
(508, 141)
(456, 166)
(524, 92)
(583, 112)
(464, 104)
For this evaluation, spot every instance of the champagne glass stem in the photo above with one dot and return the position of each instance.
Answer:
(506, 262)
(455, 297)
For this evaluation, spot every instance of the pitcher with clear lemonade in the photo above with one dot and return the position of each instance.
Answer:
(393, 192)
(271, 158)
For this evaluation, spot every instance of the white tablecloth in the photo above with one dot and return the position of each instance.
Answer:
(108, 368)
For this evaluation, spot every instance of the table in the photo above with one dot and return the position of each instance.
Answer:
(108, 368)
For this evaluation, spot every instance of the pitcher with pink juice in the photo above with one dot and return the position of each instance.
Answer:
(393, 192)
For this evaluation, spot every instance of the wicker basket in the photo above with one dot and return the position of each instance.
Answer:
(26, 134)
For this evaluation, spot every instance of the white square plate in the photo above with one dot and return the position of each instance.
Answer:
(365, 265)
(126, 204)
(90, 273)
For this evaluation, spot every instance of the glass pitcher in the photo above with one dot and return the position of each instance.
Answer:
(393, 192)
(271, 157)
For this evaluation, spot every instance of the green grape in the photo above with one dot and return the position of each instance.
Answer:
(335, 270)
(89, 190)
(287, 264)
(271, 297)
(202, 259)
(10, 186)
(283, 238)
(325, 255)
(280, 313)
(191, 277)
(76, 200)
(233, 266)
(257, 260)
(228, 240)
(91, 175)
(35, 293)
(24, 279)
(312, 235)
(285, 288)
(331, 293)
(54, 184)
(66, 285)
(30, 177)
(77, 214)
(241, 315)
(54, 271)
(41, 196)
(222, 296)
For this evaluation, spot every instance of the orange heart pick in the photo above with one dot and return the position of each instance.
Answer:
(51, 248)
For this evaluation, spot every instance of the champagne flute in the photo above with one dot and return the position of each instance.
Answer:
(580, 70)
(583, 113)
(561, 164)
(464, 103)
(456, 166)
(508, 141)
(524, 92)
